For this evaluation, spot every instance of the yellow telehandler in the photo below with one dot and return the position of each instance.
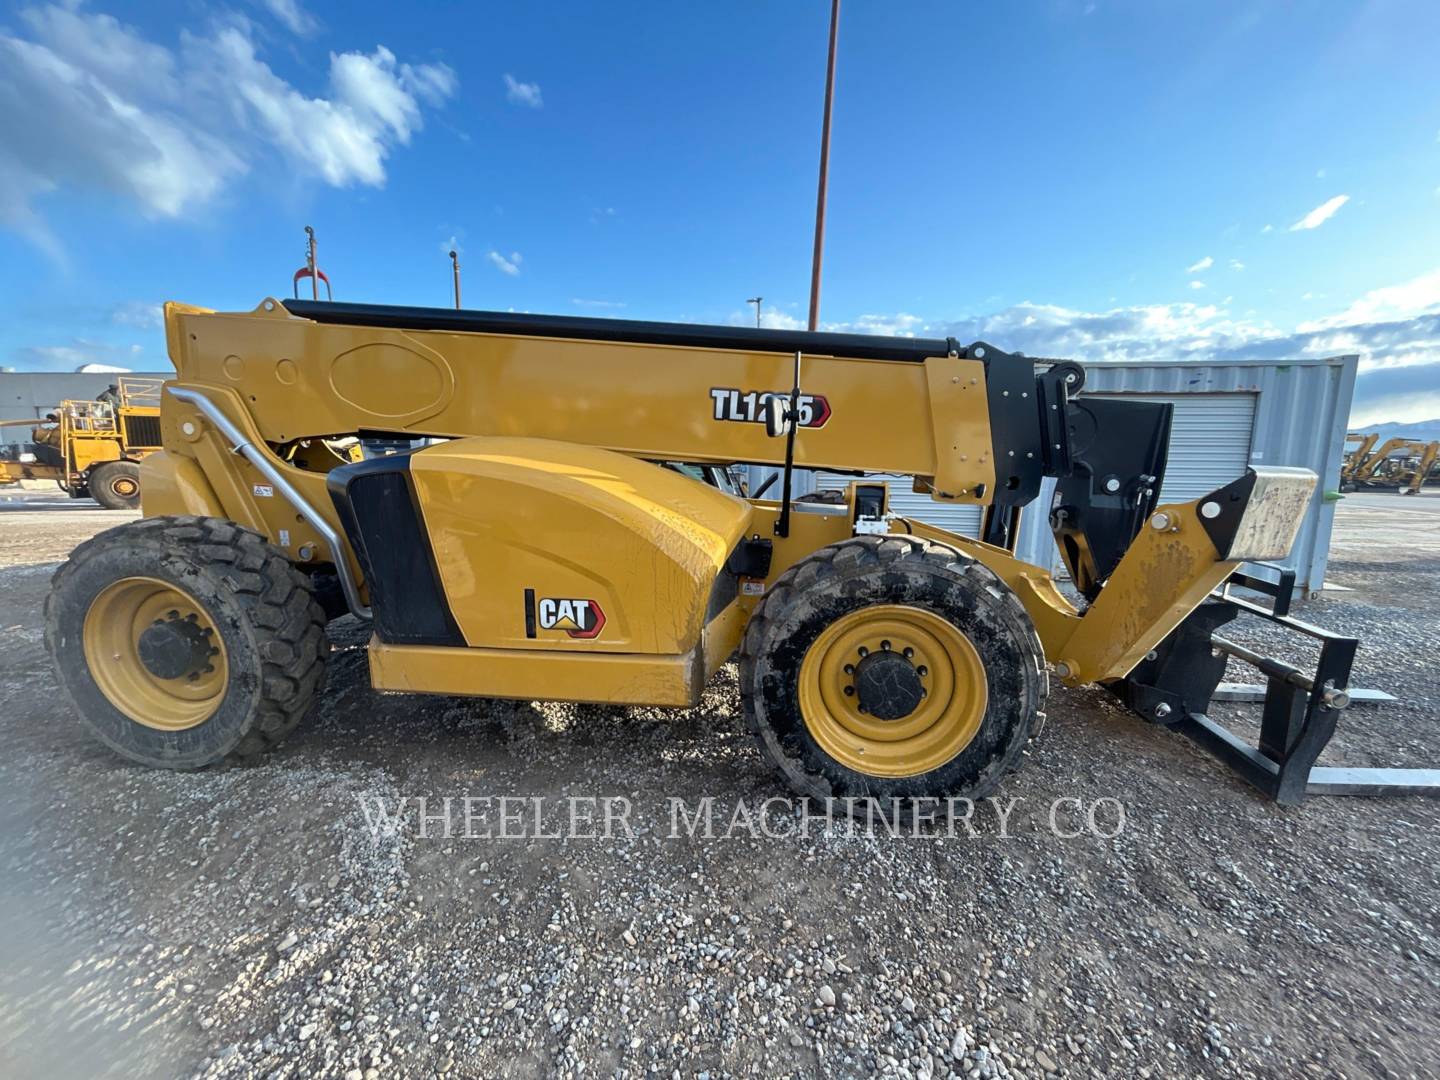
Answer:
(542, 543)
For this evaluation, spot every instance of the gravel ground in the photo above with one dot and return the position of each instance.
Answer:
(245, 922)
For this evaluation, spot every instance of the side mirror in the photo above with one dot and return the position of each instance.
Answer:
(777, 416)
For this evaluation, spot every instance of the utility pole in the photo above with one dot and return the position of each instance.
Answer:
(824, 169)
(756, 301)
(455, 267)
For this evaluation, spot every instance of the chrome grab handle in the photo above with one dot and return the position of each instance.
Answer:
(266, 464)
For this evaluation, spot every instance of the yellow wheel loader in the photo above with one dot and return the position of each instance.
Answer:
(555, 537)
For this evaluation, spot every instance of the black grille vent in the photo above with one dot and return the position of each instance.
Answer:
(142, 431)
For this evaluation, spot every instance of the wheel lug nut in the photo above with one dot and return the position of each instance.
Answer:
(849, 691)
(209, 668)
(885, 646)
(863, 651)
(909, 652)
(924, 692)
(849, 669)
(922, 671)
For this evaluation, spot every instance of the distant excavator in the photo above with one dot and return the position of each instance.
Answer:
(1403, 465)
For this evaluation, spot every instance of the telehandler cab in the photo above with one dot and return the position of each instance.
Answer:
(537, 545)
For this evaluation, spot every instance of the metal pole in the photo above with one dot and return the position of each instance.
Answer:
(756, 301)
(824, 169)
(310, 262)
(455, 265)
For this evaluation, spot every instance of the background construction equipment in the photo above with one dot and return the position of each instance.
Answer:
(1403, 465)
(94, 448)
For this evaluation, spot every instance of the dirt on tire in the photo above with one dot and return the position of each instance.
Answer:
(268, 619)
(893, 569)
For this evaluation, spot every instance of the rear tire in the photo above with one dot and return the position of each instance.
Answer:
(971, 716)
(235, 658)
(115, 485)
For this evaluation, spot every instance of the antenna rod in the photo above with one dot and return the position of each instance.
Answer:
(455, 266)
(792, 412)
(756, 300)
(824, 169)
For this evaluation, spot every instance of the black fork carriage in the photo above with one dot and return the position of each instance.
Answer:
(1175, 684)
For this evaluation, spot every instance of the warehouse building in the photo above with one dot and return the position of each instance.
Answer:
(1227, 415)
(29, 395)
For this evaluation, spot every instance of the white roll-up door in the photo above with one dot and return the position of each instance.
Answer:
(1209, 441)
(962, 518)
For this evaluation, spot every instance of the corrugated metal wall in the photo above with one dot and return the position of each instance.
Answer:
(1210, 436)
(1300, 412)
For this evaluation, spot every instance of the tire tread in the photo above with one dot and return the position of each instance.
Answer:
(287, 621)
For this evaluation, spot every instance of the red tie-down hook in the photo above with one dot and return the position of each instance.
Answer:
(311, 271)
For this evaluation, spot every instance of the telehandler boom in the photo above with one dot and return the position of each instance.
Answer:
(542, 543)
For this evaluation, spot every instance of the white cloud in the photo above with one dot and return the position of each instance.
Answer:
(167, 130)
(1268, 228)
(772, 320)
(94, 136)
(1197, 284)
(80, 353)
(522, 93)
(1419, 296)
(344, 139)
(581, 302)
(1391, 328)
(1321, 214)
(1236, 264)
(293, 17)
(453, 244)
(103, 47)
(1203, 264)
(1319, 174)
(140, 314)
(509, 266)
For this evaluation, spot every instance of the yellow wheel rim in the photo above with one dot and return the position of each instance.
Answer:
(947, 671)
(124, 486)
(118, 619)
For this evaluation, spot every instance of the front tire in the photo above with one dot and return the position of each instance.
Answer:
(891, 668)
(185, 640)
(115, 485)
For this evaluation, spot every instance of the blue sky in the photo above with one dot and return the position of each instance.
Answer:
(1091, 180)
